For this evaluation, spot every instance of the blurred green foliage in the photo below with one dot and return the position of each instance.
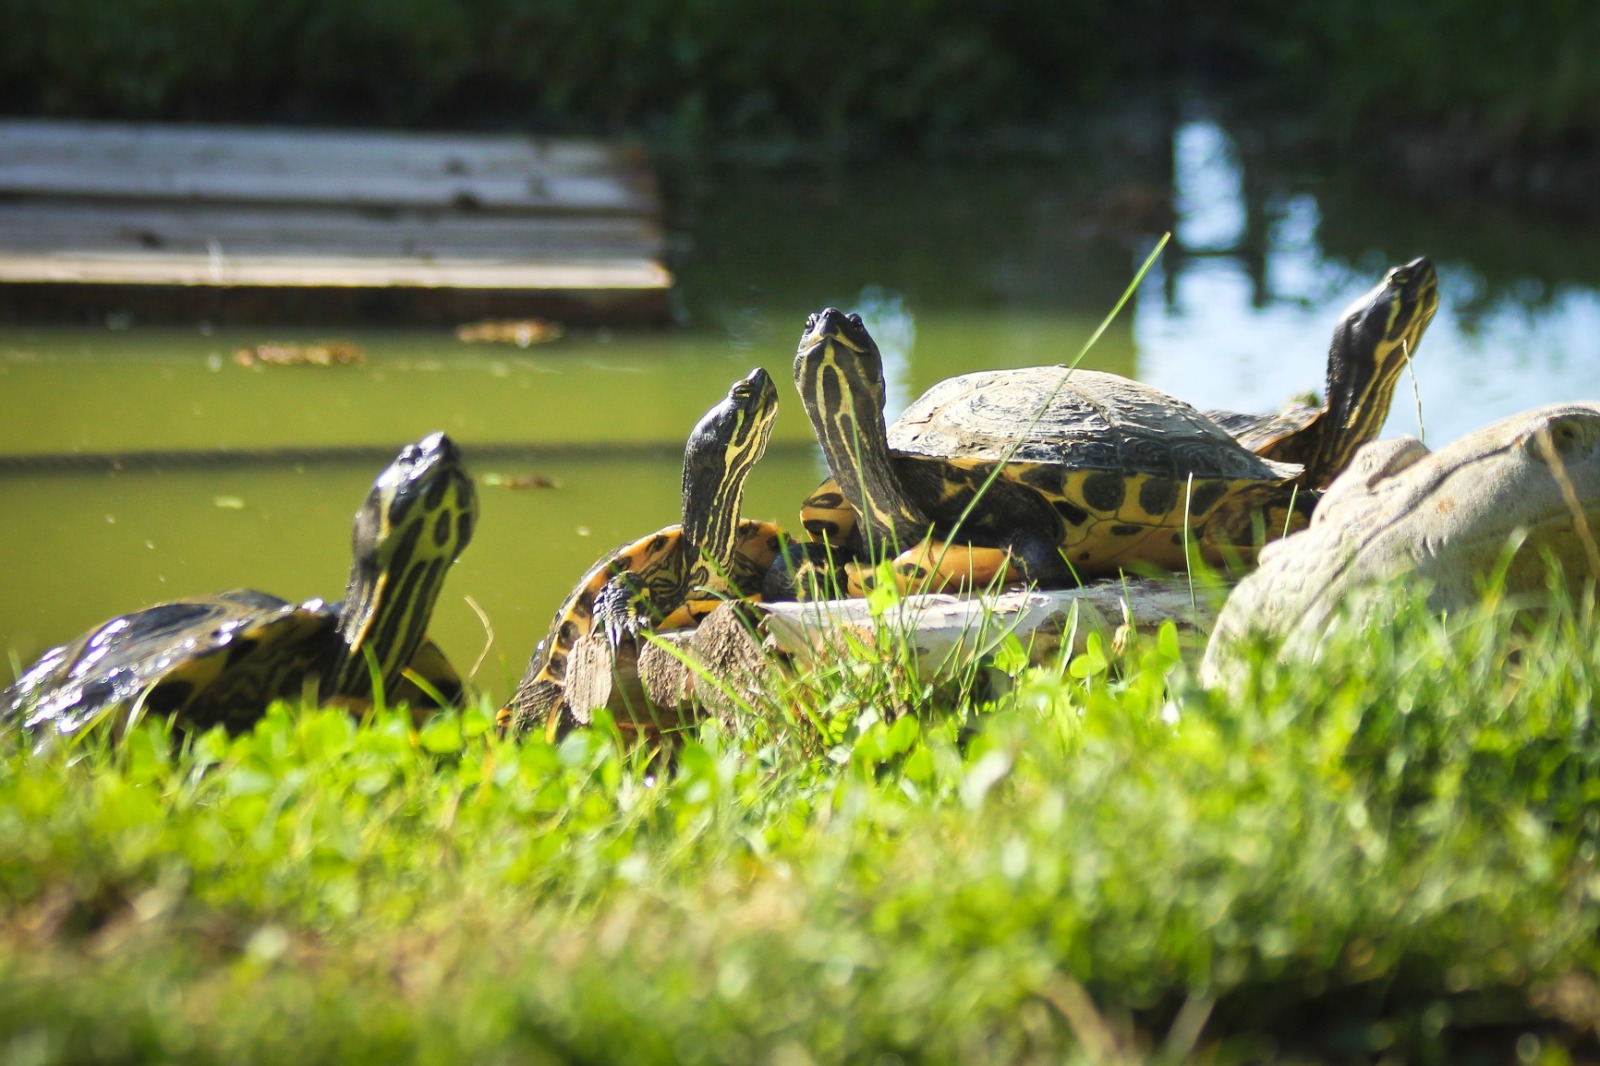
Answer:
(1524, 73)
(899, 71)
(684, 68)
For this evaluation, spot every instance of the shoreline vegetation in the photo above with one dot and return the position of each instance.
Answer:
(1385, 856)
(1465, 97)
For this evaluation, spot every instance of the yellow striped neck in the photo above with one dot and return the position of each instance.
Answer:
(418, 518)
(844, 399)
(1370, 348)
(723, 448)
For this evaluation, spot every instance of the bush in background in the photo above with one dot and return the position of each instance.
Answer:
(898, 71)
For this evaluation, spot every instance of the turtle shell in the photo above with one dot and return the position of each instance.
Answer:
(1271, 434)
(213, 660)
(646, 563)
(203, 657)
(1083, 419)
(1122, 464)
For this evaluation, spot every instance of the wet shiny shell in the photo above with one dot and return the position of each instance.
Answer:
(1083, 418)
(213, 660)
(1113, 456)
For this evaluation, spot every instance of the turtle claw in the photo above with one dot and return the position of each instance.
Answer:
(619, 611)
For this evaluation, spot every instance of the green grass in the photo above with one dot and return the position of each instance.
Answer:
(1393, 852)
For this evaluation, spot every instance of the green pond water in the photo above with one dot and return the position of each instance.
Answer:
(955, 269)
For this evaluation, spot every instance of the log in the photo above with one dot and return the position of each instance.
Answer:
(599, 675)
(741, 651)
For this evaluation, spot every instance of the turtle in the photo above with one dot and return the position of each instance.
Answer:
(673, 577)
(1404, 518)
(221, 659)
(1045, 475)
(1374, 339)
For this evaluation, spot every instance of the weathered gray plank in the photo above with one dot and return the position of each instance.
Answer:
(332, 271)
(945, 635)
(291, 166)
(39, 226)
(285, 304)
(233, 223)
(72, 139)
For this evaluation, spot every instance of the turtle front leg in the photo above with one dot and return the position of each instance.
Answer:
(622, 610)
(626, 607)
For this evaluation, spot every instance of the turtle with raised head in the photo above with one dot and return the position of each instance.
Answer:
(1047, 475)
(1375, 338)
(674, 576)
(220, 660)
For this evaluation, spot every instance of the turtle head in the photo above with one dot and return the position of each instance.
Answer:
(1374, 339)
(839, 372)
(416, 520)
(722, 448)
(838, 354)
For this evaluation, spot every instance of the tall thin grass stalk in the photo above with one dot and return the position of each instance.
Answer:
(488, 635)
(1416, 393)
(1569, 495)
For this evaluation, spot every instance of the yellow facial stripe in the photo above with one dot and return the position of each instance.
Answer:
(819, 336)
(1396, 306)
(1402, 333)
(369, 616)
(846, 413)
(747, 442)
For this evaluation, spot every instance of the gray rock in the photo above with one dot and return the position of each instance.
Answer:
(1407, 521)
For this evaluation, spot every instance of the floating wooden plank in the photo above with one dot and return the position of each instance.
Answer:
(234, 223)
(293, 166)
(53, 227)
(358, 272)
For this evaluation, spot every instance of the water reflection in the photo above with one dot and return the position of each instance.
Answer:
(895, 330)
(1208, 189)
(1247, 309)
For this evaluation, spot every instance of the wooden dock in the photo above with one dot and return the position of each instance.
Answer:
(233, 223)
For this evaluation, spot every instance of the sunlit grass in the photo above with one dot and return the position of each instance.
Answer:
(1391, 850)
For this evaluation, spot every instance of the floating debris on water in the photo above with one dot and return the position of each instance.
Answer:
(274, 354)
(523, 332)
(520, 481)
